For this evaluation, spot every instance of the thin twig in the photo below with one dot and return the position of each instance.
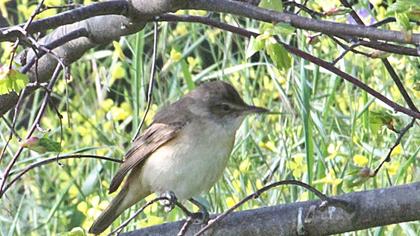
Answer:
(54, 44)
(25, 27)
(151, 80)
(399, 84)
(112, 7)
(12, 57)
(11, 128)
(400, 87)
(49, 160)
(185, 226)
(385, 61)
(32, 129)
(66, 6)
(125, 223)
(348, 49)
(325, 200)
(401, 134)
(304, 8)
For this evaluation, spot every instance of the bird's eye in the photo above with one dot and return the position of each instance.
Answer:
(225, 107)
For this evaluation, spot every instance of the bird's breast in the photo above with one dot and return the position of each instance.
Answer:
(190, 163)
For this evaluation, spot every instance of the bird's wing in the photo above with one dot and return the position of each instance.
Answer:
(154, 137)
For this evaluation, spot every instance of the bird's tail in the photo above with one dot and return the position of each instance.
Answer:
(122, 201)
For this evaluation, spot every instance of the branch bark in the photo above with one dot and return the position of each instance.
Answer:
(373, 208)
(326, 27)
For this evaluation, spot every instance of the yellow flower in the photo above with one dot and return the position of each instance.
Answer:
(117, 72)
(118, 51)
(231, 201)
(126, 106)
(236, 185)
(108, 126)
(197, 12)
(297, 166)
(82, 207)
(392, 167)
(120, 113)
(192, 62)
(107, 104)
(330, 179)
(180, 30)
(333, 150)
(360, 160)
(304, 196)
(83, 130)
(175, 55)
(73, 191)
(236, 173)
(151, 220)
(397, 150)
(269, 146)
(244, 166)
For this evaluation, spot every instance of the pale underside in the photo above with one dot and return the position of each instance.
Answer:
(188, 164)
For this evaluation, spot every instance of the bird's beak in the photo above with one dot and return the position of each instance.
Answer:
(254, 109)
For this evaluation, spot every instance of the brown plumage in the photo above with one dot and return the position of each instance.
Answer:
(185, 149)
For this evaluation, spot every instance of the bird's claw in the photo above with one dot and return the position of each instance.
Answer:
(169, 202)
(201, 217)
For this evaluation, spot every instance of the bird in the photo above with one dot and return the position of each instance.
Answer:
(184, 151)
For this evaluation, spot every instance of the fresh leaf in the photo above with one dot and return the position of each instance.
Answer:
(279, 55)
(255, 45)
(403, 20)
(78, 231)
(359, 177)
(41, 145)
(409, 7)
(379, 119)
(12, 80)
(272, 5)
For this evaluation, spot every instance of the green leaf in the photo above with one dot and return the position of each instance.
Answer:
(379, 119)
(41, 145)
(50, 145)
(409, 7)
(78, 231)
(187, 75)
(284, 29)
(12, 80)
(358, 177)
(403, 20)
(255, 45)
(272, 5)
(279, 55)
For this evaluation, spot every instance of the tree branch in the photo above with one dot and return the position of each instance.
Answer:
(327, 27)
(373, 208)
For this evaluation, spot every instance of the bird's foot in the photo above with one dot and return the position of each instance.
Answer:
(170, 201)
(201, 217)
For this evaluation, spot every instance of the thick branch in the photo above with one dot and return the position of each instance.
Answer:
(101, 30)
(116, 7)
(373, 208)
(327, 27)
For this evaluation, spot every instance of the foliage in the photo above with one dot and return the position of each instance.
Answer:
(321, 120)
(12, 80)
